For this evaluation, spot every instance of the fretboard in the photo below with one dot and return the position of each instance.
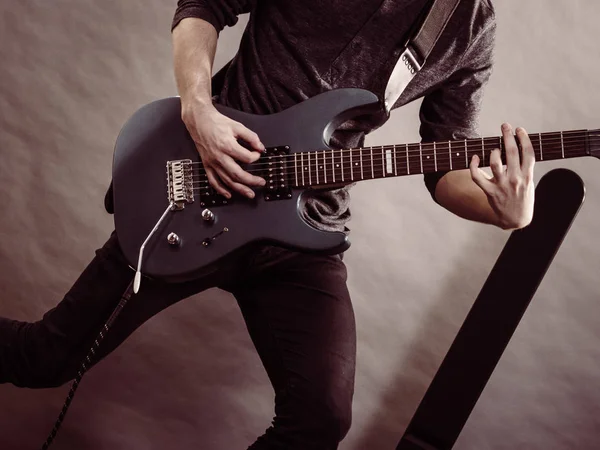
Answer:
(327, 167)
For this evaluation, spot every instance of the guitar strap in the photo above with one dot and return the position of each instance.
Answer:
(418, 47)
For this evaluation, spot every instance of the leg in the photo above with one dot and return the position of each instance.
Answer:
(300, 318)
(48, 352)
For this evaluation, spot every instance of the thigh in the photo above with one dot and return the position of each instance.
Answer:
(75, 322)
(299, 314)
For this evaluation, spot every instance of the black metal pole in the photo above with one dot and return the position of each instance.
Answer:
(495, 315)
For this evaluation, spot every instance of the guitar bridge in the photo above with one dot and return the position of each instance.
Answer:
(180, 183)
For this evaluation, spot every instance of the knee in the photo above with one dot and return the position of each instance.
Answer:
(334, 420)
(325, 415)
(35, 358)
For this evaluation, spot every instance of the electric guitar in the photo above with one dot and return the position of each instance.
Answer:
(174, 225)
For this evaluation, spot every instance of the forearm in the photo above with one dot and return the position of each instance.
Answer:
(457, 192)
(194, 46)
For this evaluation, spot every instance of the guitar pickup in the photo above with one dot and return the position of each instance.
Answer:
(276, 173)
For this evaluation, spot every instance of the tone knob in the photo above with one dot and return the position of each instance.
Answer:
(208, 215)
(174, 240)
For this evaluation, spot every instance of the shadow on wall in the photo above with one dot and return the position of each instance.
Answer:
(429, 346)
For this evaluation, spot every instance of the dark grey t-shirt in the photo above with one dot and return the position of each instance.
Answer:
(292, 50)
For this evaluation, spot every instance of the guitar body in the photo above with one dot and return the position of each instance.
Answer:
(155, 134)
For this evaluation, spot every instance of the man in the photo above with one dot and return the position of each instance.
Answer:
(296, 306)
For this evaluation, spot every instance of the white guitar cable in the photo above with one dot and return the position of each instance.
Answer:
(138, 274)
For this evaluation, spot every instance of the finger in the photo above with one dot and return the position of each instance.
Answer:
(239, 175)
(214, 182)
(242, 154)
(480, 177)
(496, 165)
(249, 136)
(513, 164)
(238, 187)
(528, 159)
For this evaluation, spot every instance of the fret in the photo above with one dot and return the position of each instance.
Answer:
(378, 162)
(434, 157)
(316, 158)
(428, 158)
(309, 171)
(319, 168)
(466, 155)
(489, 147)
(541, 148)
(351, 166)
(369, 169)
(475, 147)
(325, 166)
(342, 163)
(562, 144)
(442, 163)
(337, 163)
(482, 152)
(456, 158)
(296, 166)
(332, 166)
(534, 144)
(362, 176)
(552, 146)
(421, 155)
(387, 162)
(395, 162)
(407, 163)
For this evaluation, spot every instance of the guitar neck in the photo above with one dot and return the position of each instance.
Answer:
(329, 167)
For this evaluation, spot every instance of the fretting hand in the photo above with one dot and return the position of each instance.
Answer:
(510, 191)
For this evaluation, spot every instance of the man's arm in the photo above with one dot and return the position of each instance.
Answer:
(195, 30)
(194, 46)
(451, 112)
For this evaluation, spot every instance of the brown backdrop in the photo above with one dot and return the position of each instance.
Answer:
(71, 72)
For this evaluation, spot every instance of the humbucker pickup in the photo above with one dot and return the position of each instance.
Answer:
(276, 173)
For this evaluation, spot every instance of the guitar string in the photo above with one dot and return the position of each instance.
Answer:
(377, 158)
(442, 159)
(569, 138)
(414, 147)
(441, 150)
(546, 140)
(376, 168)
(378, 161)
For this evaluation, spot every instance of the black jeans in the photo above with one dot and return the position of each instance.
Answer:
(296, 307)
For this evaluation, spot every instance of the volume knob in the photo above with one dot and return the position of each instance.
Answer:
(208, 215)
(174, 240)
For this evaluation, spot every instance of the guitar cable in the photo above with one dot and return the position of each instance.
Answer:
(84, 365)
(133, 287)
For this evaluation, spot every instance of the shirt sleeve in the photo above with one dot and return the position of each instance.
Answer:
(451, 111)
(219, 13)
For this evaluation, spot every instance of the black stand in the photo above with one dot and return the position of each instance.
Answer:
(495, 315)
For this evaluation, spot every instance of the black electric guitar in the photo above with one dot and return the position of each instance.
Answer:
(164, 205)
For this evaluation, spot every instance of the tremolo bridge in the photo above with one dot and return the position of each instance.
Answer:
(180, 183)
